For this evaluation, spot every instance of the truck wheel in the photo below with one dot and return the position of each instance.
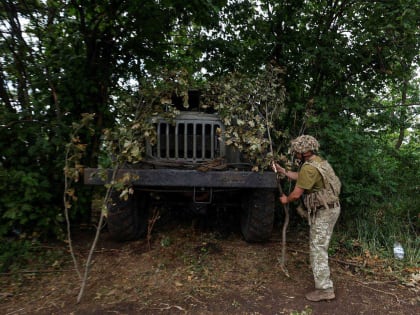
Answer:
(128, 219)
(257, 216)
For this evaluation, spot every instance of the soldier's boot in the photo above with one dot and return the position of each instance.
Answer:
(320, 295)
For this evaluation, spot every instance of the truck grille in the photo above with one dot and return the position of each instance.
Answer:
(188, 140)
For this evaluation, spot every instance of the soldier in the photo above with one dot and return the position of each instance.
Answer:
(320, 187)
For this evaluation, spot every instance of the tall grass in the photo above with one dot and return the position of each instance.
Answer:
(384, 224)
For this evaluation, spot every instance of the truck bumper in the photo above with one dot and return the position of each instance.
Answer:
(184, 178)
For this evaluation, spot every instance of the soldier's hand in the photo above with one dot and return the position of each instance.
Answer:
(277, 168)
(283, 199)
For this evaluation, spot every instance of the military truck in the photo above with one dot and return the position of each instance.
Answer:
(190, 165)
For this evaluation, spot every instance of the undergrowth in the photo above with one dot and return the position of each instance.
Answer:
(382, 225)
(17, 255)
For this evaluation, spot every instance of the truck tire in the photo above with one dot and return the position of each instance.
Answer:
(128, 219)
(257, 217)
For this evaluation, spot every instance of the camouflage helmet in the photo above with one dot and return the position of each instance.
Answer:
(304, 144)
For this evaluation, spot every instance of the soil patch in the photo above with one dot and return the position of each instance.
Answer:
(192, 271)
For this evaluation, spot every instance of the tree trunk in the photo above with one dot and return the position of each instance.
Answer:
(402, 115)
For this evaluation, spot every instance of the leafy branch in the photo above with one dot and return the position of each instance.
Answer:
(248, 106)
(72, 171)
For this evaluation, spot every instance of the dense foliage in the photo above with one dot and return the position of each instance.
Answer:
(350, 69)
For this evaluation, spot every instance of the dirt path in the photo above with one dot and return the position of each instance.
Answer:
(196, 272)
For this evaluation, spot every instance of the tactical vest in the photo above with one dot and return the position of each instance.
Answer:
(327, 197)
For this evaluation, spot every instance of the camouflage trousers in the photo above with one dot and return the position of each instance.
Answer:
(320, 233)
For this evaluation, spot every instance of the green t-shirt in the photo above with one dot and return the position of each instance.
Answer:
(310, 178)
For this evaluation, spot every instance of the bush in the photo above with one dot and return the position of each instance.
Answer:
(28, 204)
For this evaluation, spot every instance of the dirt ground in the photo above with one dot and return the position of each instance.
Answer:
(193, 270)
